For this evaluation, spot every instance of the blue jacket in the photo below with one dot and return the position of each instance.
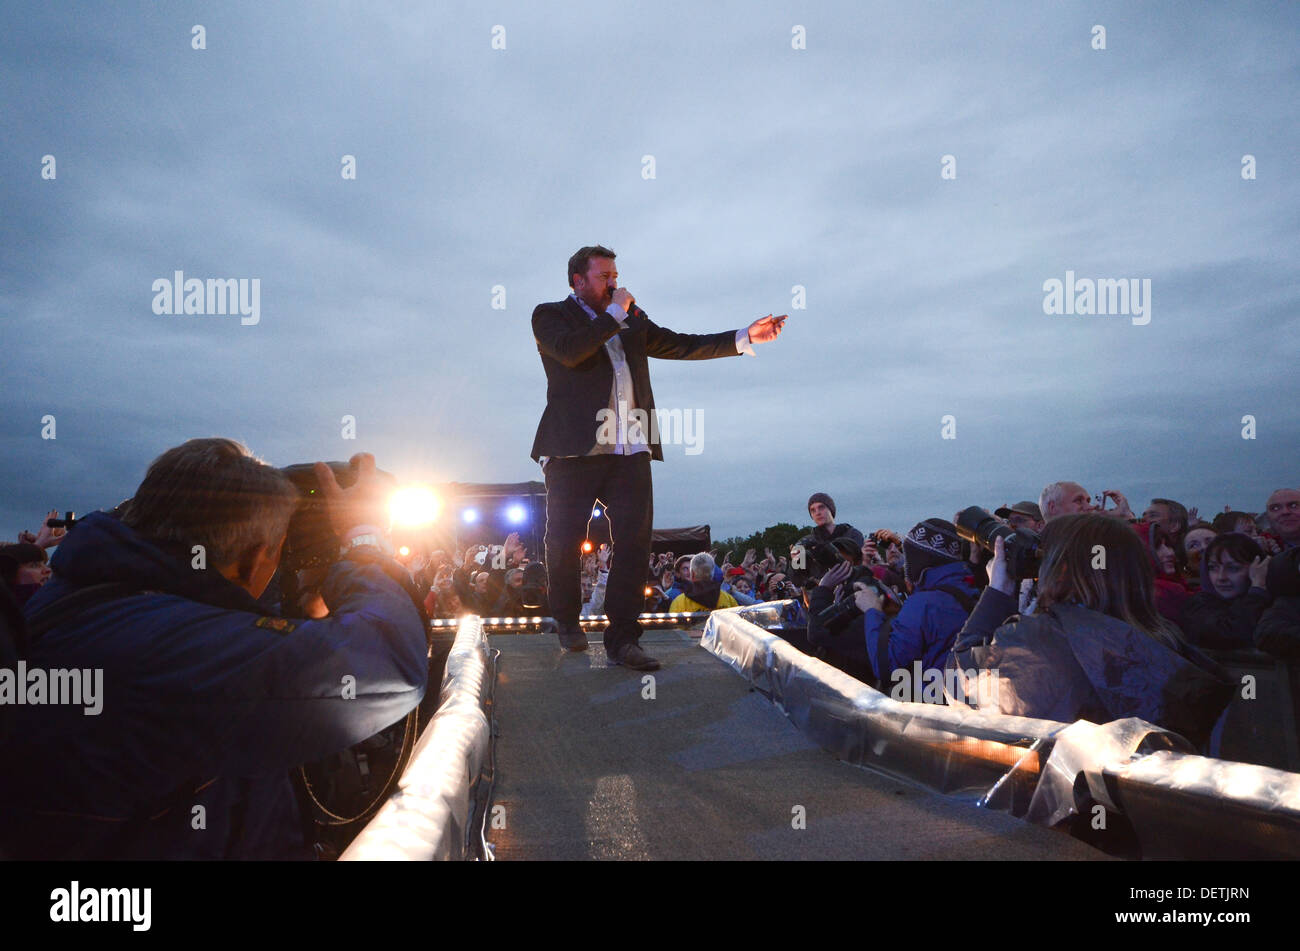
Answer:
(926, 626)
(201, 689)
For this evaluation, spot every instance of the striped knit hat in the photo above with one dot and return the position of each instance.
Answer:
(929, 544)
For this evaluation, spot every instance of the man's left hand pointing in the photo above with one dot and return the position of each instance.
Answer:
(766, 328)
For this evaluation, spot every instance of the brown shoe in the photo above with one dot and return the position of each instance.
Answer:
(634, 657)
(572, 637)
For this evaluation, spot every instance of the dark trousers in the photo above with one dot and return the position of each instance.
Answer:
(622, 485)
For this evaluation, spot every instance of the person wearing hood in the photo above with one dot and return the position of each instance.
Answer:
(205, 699)
(1233, 596)
(924, 628)
(1097, 649)
(704, 592)
(1170, 593)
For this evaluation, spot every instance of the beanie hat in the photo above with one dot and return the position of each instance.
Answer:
(930, 544)
(824, 499)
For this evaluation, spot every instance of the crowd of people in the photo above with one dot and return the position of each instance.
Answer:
(222, 656)
(1100, 614)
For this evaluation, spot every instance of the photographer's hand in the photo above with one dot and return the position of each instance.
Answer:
(866, 597)
(999, 578)
(836, 576)
(365, 502)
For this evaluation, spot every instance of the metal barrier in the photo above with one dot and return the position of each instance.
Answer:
(437, 811)
(1043, 771)
(547, 625)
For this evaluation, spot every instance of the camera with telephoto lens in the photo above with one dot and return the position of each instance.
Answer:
(1023, 547)
(311, 541)
(821, 556)
(837, 617)
(341, 792)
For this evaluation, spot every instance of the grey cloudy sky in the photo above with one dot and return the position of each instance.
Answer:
(774, 167)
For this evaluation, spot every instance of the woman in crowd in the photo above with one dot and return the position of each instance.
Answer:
(1171, 593)
(1194, 542)
(1097, 648)
(1224, 613)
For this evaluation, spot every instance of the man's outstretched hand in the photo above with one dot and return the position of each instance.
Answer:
(766, 328)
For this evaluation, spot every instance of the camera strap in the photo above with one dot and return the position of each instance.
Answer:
(961, 597)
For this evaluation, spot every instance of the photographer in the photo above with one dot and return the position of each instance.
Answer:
(207, 699)
(943, 594)
(815, 554)
(926, 624)
(1097, 649)
(821, 508)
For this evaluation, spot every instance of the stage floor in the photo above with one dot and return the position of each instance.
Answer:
(587, 768)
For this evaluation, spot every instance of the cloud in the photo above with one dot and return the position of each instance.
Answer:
(774, 168)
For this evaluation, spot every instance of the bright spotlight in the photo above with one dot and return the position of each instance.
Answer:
(469, 516)
(586, 546)
(515, 514)
(404, 551)
(413, 505)
(595, 513)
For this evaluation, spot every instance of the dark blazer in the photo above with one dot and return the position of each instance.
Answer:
(580, 376)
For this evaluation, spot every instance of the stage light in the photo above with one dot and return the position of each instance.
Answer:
(404, 551)
(595, 513)
(515, 514)
(469, 516)
(586, 546)
(413, 505)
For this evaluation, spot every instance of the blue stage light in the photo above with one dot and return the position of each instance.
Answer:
(469, 516)
(515, 514)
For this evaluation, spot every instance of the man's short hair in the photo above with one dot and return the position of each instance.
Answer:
(582, 258)
(702, 566)
(214, 493)
(1052, 492)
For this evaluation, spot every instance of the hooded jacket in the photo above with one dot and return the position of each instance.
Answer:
(923, 630)
(207, 700)
(1069, 662)
(1217, 623)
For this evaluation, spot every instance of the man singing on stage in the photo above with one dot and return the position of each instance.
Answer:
(594, 441)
